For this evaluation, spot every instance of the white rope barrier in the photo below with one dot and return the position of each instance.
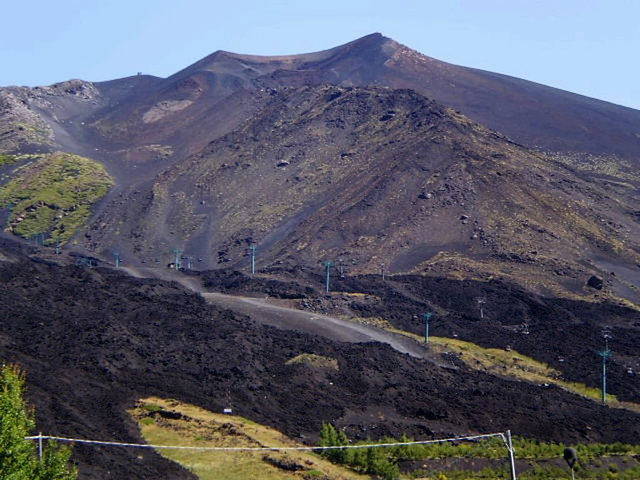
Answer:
(283, 448)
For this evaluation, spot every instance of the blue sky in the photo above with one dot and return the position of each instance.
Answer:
(587, 47)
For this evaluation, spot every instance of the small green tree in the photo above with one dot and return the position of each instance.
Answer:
(18, 459)
(16, 421)
(329, 437)
(379, 464)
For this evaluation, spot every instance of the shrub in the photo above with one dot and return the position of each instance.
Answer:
(18, 458)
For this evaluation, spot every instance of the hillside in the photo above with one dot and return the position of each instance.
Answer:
(304, 157)
(507, 209)
(94, 341)
(370, 176)
(137, 112)
(364, 177)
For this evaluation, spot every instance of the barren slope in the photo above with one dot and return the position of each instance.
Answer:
(530, 113)
(143, 118)
(344, 191)
(364, 177)
(93, 341)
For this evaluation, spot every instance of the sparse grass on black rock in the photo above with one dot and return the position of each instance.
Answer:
(52, 196)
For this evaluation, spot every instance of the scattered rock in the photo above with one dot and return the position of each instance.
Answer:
(595, 282)
(285, 463)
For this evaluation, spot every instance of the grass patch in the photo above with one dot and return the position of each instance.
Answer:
(373, 322)
(168, 422)
(360, 296)
(52, 196)
(198, 427)
(7, 159)
(151, 407)
(313, 360)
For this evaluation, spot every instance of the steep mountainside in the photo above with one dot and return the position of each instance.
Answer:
(364, 177)
(533, 114)
(138, 117)
(47, 118)
(367, 177)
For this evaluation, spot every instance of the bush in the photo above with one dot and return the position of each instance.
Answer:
(373, 461)
(18, 459)
(329, 437)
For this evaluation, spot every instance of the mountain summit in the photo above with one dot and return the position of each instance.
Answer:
(533, 114)
(369, 152)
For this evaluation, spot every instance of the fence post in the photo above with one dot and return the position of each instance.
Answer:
(512, 462)
(40, 445)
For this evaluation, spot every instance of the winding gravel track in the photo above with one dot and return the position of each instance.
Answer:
(285, 318)
(260, 310)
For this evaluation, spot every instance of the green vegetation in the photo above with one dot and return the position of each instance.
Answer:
(151, 407)
(460, 460)
(7, 159)
(313, 360)
(169, 422)
(372, 461)
(609, 166)
(515, 365)
(383, 461)
(536, 472)
(52, 197)
(18, 459)
(494, 448)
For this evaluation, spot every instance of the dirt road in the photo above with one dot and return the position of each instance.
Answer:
(260, 310)
(285, 318)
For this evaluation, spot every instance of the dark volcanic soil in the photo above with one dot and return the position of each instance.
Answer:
(565, 334)
(94, 340)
